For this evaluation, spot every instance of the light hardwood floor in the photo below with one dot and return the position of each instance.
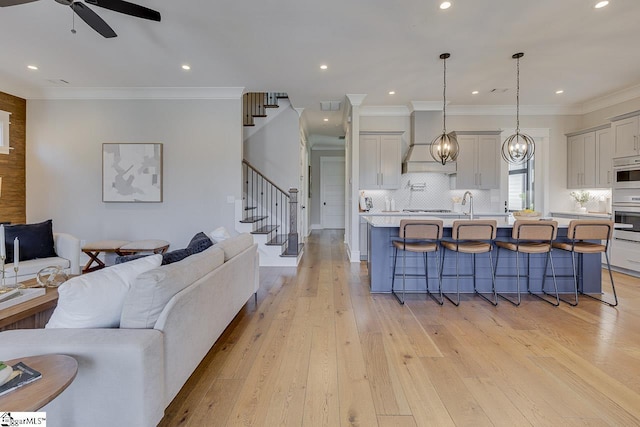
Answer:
(320, 350)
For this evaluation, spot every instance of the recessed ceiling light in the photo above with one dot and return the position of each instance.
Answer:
(558, 92)
(32, 67)
(601, 4)
(445, 5)
(323, 67)
(475, 92)
(325, 119)
(186, 67)
(392, 92)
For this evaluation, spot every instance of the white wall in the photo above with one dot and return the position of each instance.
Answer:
(202, 141)
(274, 149)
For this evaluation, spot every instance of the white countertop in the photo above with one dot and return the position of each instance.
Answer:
(394, 221)
(585, 214)
(439, 214)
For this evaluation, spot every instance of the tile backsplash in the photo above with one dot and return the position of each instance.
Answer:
(432, 191)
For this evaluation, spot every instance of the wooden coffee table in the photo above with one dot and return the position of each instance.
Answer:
(31, 314)
(58, 371)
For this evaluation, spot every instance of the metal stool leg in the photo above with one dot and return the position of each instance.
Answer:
(493, 283)
(575, 282)
(457, 302)
(433, 297)
(613, 287)
(518, 300)
(544, 276)
(393, 277)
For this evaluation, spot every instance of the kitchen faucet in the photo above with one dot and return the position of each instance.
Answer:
(464, 200)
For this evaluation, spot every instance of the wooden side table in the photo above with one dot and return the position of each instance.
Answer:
(31, 314)
(58, 371)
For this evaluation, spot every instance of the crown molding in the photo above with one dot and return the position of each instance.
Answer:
(426, 105)
(387, 111)
(510, 110)
(611, 99)
(138, 93)
(356, 99)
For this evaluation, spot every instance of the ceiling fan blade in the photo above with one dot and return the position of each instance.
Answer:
(5, 3)
(93, 20)
(127, 8)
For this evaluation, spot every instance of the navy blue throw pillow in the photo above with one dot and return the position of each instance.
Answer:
(175, 256)
(35, 240)
(126, 258)
(199, 243)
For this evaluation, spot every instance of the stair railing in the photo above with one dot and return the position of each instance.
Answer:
(272, 210)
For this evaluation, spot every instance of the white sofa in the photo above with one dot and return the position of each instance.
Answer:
(67, 248)
(132, 375)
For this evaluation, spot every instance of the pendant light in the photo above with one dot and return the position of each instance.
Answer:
(445, 147)
(519, 147)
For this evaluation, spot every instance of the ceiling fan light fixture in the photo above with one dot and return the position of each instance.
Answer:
(519, 147)
(445, 146)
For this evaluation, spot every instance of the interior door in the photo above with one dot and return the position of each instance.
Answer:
(332, 179)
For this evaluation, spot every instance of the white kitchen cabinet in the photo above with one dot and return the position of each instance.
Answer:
(625, 254)
(604, 158)
(380, 160)
(626, 135)
(581, 160)
(589, 159)
(478, 161)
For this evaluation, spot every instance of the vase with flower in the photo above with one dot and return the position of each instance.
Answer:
(581, 198)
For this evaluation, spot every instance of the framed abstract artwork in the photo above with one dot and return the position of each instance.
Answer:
(132, 172)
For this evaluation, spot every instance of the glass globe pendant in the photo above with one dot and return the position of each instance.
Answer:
(445, 146)
(519, 147)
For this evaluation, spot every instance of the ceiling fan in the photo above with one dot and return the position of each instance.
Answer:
(92, 18)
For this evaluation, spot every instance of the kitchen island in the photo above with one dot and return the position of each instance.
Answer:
(382, 230)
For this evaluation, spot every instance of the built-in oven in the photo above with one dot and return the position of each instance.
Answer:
(626, 172)
(627, 214)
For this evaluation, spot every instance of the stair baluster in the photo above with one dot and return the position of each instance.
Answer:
(265, 206)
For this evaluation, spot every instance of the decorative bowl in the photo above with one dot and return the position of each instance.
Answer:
(527, 214)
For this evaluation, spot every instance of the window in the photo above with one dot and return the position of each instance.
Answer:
(4, 132)
(521, 178)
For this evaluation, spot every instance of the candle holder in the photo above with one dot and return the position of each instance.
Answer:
(15, 269)
(2, 259)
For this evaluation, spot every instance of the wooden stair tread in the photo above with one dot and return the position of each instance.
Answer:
(265, 230)
(278, 240)
(252, 219)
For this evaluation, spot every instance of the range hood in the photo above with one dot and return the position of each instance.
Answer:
(425, 126)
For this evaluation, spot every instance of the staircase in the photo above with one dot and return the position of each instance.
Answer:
(267, 211)
(255, 104)
(270, 214)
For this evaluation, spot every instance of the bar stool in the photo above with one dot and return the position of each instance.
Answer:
(579, 231)
(418, 236)
(471, 237)
(531, 237)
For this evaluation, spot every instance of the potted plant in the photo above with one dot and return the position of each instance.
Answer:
(581, 198)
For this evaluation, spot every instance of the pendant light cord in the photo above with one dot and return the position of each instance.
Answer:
(444, 98)
(517, 95)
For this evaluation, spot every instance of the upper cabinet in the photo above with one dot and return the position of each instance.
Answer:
(380, 160)
(604, 158)
(478, 160)
(581, 160)
(626, 135)
(589, 158)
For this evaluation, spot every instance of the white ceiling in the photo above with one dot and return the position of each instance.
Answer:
(370, 46)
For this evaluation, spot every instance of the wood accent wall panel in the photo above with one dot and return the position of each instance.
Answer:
(12, 166)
